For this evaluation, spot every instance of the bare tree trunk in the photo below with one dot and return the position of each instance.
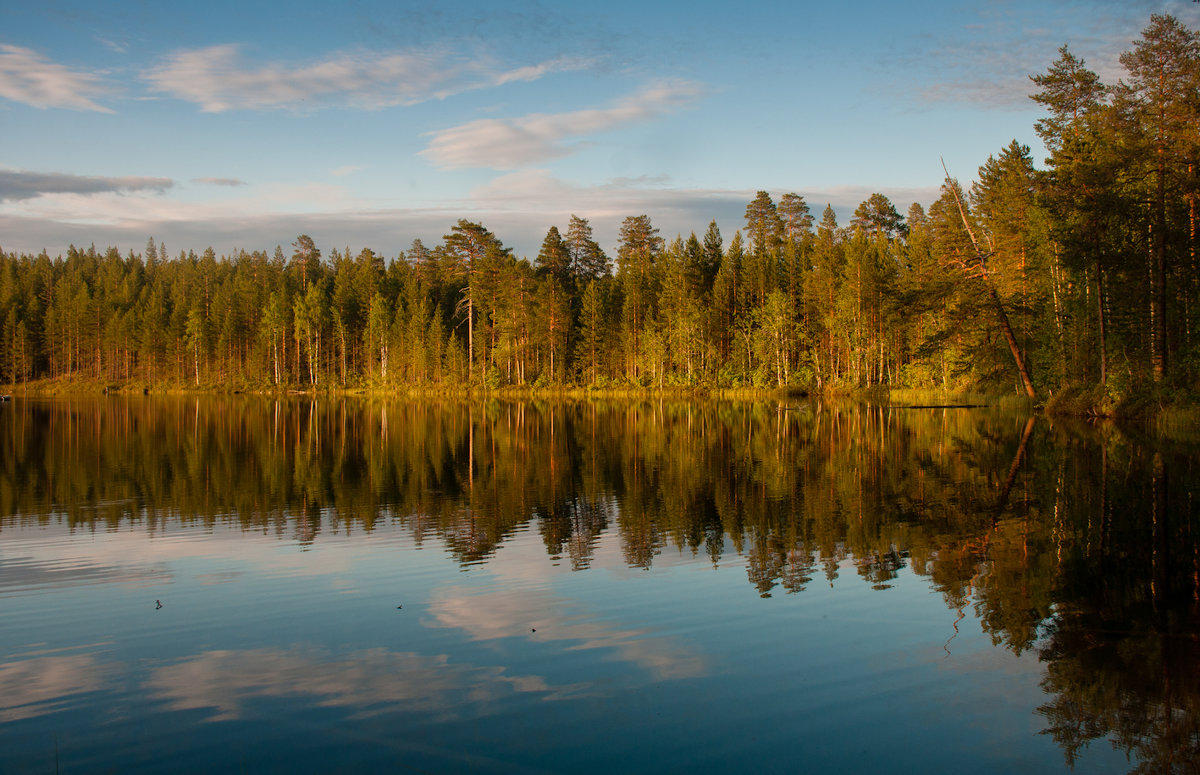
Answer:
(1100, 319)
(1005, 328)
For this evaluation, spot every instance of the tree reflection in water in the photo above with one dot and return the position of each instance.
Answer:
(1076, 542)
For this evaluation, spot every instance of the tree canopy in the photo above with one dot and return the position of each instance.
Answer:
(1080, 276)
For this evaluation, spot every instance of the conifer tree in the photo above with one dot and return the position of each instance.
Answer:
(554, 259)
(473, 253)
(587, 260)
(1162, 98)
(713, 254)
(638, 273)
(1078, 189)
(764, 231)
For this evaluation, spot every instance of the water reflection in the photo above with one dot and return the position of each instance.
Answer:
(492, 615)
(373, 681)
(1077, 544)
(36, 685)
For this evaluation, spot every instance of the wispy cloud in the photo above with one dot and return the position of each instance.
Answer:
(505, 144)
(988, 64)
(30, 79)
(231, 182)
(349, 169)
(998, 94)
(996, 75)
(115, 46)
(16, 184)
(218, 79)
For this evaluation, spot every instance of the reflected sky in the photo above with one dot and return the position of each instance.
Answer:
(38, 685)
(372, 630)
(366, 682)
(443, 596)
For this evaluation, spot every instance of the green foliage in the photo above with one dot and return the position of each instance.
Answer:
(1079, 279)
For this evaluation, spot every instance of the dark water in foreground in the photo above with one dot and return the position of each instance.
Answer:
(245, 585)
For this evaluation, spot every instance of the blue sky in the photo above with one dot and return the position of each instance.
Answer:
(368, 124)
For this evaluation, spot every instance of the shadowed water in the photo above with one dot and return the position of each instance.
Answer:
(334, 586)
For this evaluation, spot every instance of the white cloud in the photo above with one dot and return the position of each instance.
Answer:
(534, 72)
(505, 144)
(216, 79)
(29, 78)
(349, 169)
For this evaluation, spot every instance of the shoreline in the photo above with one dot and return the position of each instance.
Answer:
(1169, 419)
(900, 397)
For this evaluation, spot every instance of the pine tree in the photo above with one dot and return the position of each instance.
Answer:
(554, 258)
(639, 275)
(473, 253)
(593, 329)
(588, 260)
(306, 258)
(1162, 99)
(1014, 225)
(764, 230)
(376, 334)
(877, 215)
(795, 218)
(726, 296)
(820, 295)
(962, 249)
(1078, 189)
(713, 254)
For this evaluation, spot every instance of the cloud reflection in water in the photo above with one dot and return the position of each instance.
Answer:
(491, 615)
(371, 681)
(34, 687)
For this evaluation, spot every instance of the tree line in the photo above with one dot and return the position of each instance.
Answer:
(1081, 276)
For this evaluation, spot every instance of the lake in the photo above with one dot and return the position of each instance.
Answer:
(259, 585)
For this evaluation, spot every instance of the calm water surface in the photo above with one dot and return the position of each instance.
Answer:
(249, 585)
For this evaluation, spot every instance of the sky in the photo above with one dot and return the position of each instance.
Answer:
(363, 124)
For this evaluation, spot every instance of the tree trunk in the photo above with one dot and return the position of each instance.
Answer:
(1006, 329)
(1158, 274)
(1100, 319)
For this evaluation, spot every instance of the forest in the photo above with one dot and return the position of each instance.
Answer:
(1077, 279)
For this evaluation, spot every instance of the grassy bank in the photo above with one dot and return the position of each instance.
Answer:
(879, 395)
(75, 386)
(1159, 409)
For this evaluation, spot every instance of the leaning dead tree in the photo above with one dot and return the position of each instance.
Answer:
(974, 266)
